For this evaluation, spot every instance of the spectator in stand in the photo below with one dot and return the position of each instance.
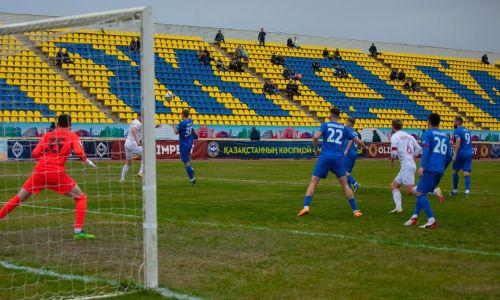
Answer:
(326, 54)
(401, 75)
(59, 58)
(407, 85)
(292, 89)
(219, 37)
(270, 88)
(220, 65)
(254, 134)
(415, 86)
(340, 72)
(373, 50)
(241, 53)
(336, 54)
(262, 37)
(394, 75)
(295, 43)
(236, 65)
(66, 58)
(376, 137)
(277, 59)
(204, 56)
(484, 59)
(135, 45)
(290, 74)
(289, 42)
(52, 126)
(316, 67)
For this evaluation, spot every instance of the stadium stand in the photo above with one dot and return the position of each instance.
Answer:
(102, 64)
(466, 85)
(29, 86)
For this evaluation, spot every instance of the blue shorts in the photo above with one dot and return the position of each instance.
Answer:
(428, 182)
(324, 164)
(185, 152)
(463, 163)
(349, 162)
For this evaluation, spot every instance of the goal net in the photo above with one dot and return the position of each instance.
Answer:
(98, 69)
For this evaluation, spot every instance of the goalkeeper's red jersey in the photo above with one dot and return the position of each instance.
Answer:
(54, 149)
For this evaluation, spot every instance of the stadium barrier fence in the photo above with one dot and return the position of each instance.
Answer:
(113, 149)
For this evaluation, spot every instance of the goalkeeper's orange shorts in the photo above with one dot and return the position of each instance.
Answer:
(59, 182)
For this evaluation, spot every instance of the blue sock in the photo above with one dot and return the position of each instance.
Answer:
(352, 203)
(455, 181)
(307, 200)
(467, 182)
(417, 209)
(426, 205)
(190, 171)
(351, 180)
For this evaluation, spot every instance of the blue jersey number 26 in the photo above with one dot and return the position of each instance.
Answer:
(441, 146)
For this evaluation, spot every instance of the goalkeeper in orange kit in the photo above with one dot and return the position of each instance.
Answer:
(51, 154)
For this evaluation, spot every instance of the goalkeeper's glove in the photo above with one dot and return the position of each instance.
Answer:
(90, 163)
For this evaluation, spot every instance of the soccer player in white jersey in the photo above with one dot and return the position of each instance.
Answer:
(405, 148)
(133, 147)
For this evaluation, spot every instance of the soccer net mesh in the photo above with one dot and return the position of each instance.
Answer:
(90, 72)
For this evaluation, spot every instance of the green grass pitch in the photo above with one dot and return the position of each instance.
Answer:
(236, 235)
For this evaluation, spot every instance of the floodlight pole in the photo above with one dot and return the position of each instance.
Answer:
(149, 184)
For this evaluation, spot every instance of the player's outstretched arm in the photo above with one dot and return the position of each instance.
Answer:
(39, 149)
(317, 136)
(76, 146)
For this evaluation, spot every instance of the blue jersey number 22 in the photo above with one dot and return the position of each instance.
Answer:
(331, 137)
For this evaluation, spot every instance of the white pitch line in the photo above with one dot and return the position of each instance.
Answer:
(302, 233)
(166, 292)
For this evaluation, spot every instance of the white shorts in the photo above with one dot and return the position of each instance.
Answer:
(132, 148)
(406, 176)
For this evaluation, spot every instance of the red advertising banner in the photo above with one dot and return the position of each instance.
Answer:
(164, 150)
(383, 150)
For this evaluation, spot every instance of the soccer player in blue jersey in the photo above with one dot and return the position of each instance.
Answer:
(436, 156)
(331, 159)
(186, 136)
(350, 156)
(462, 155)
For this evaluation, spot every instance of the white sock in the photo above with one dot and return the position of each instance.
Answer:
(414, 216)
(455, 191)
(431, 220)
(467, 191)
(435, 192)
(142, 167)
(396, 196)
(77, 230)
(124, 172)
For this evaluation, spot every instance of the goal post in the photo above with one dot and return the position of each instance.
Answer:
(36, 33)
(149, 184)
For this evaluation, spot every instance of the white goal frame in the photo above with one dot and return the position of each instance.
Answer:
(145, 15)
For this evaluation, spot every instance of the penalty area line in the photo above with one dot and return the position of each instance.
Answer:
(300, 233)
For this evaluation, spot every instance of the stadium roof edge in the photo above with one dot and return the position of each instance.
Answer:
(208, 33)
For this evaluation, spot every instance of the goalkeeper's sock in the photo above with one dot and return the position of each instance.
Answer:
(190, 171)
(80, 210)
(9, 206)
(124, 172)
(455, 181)
(352, 203)
(396, 195)
(467, 183)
